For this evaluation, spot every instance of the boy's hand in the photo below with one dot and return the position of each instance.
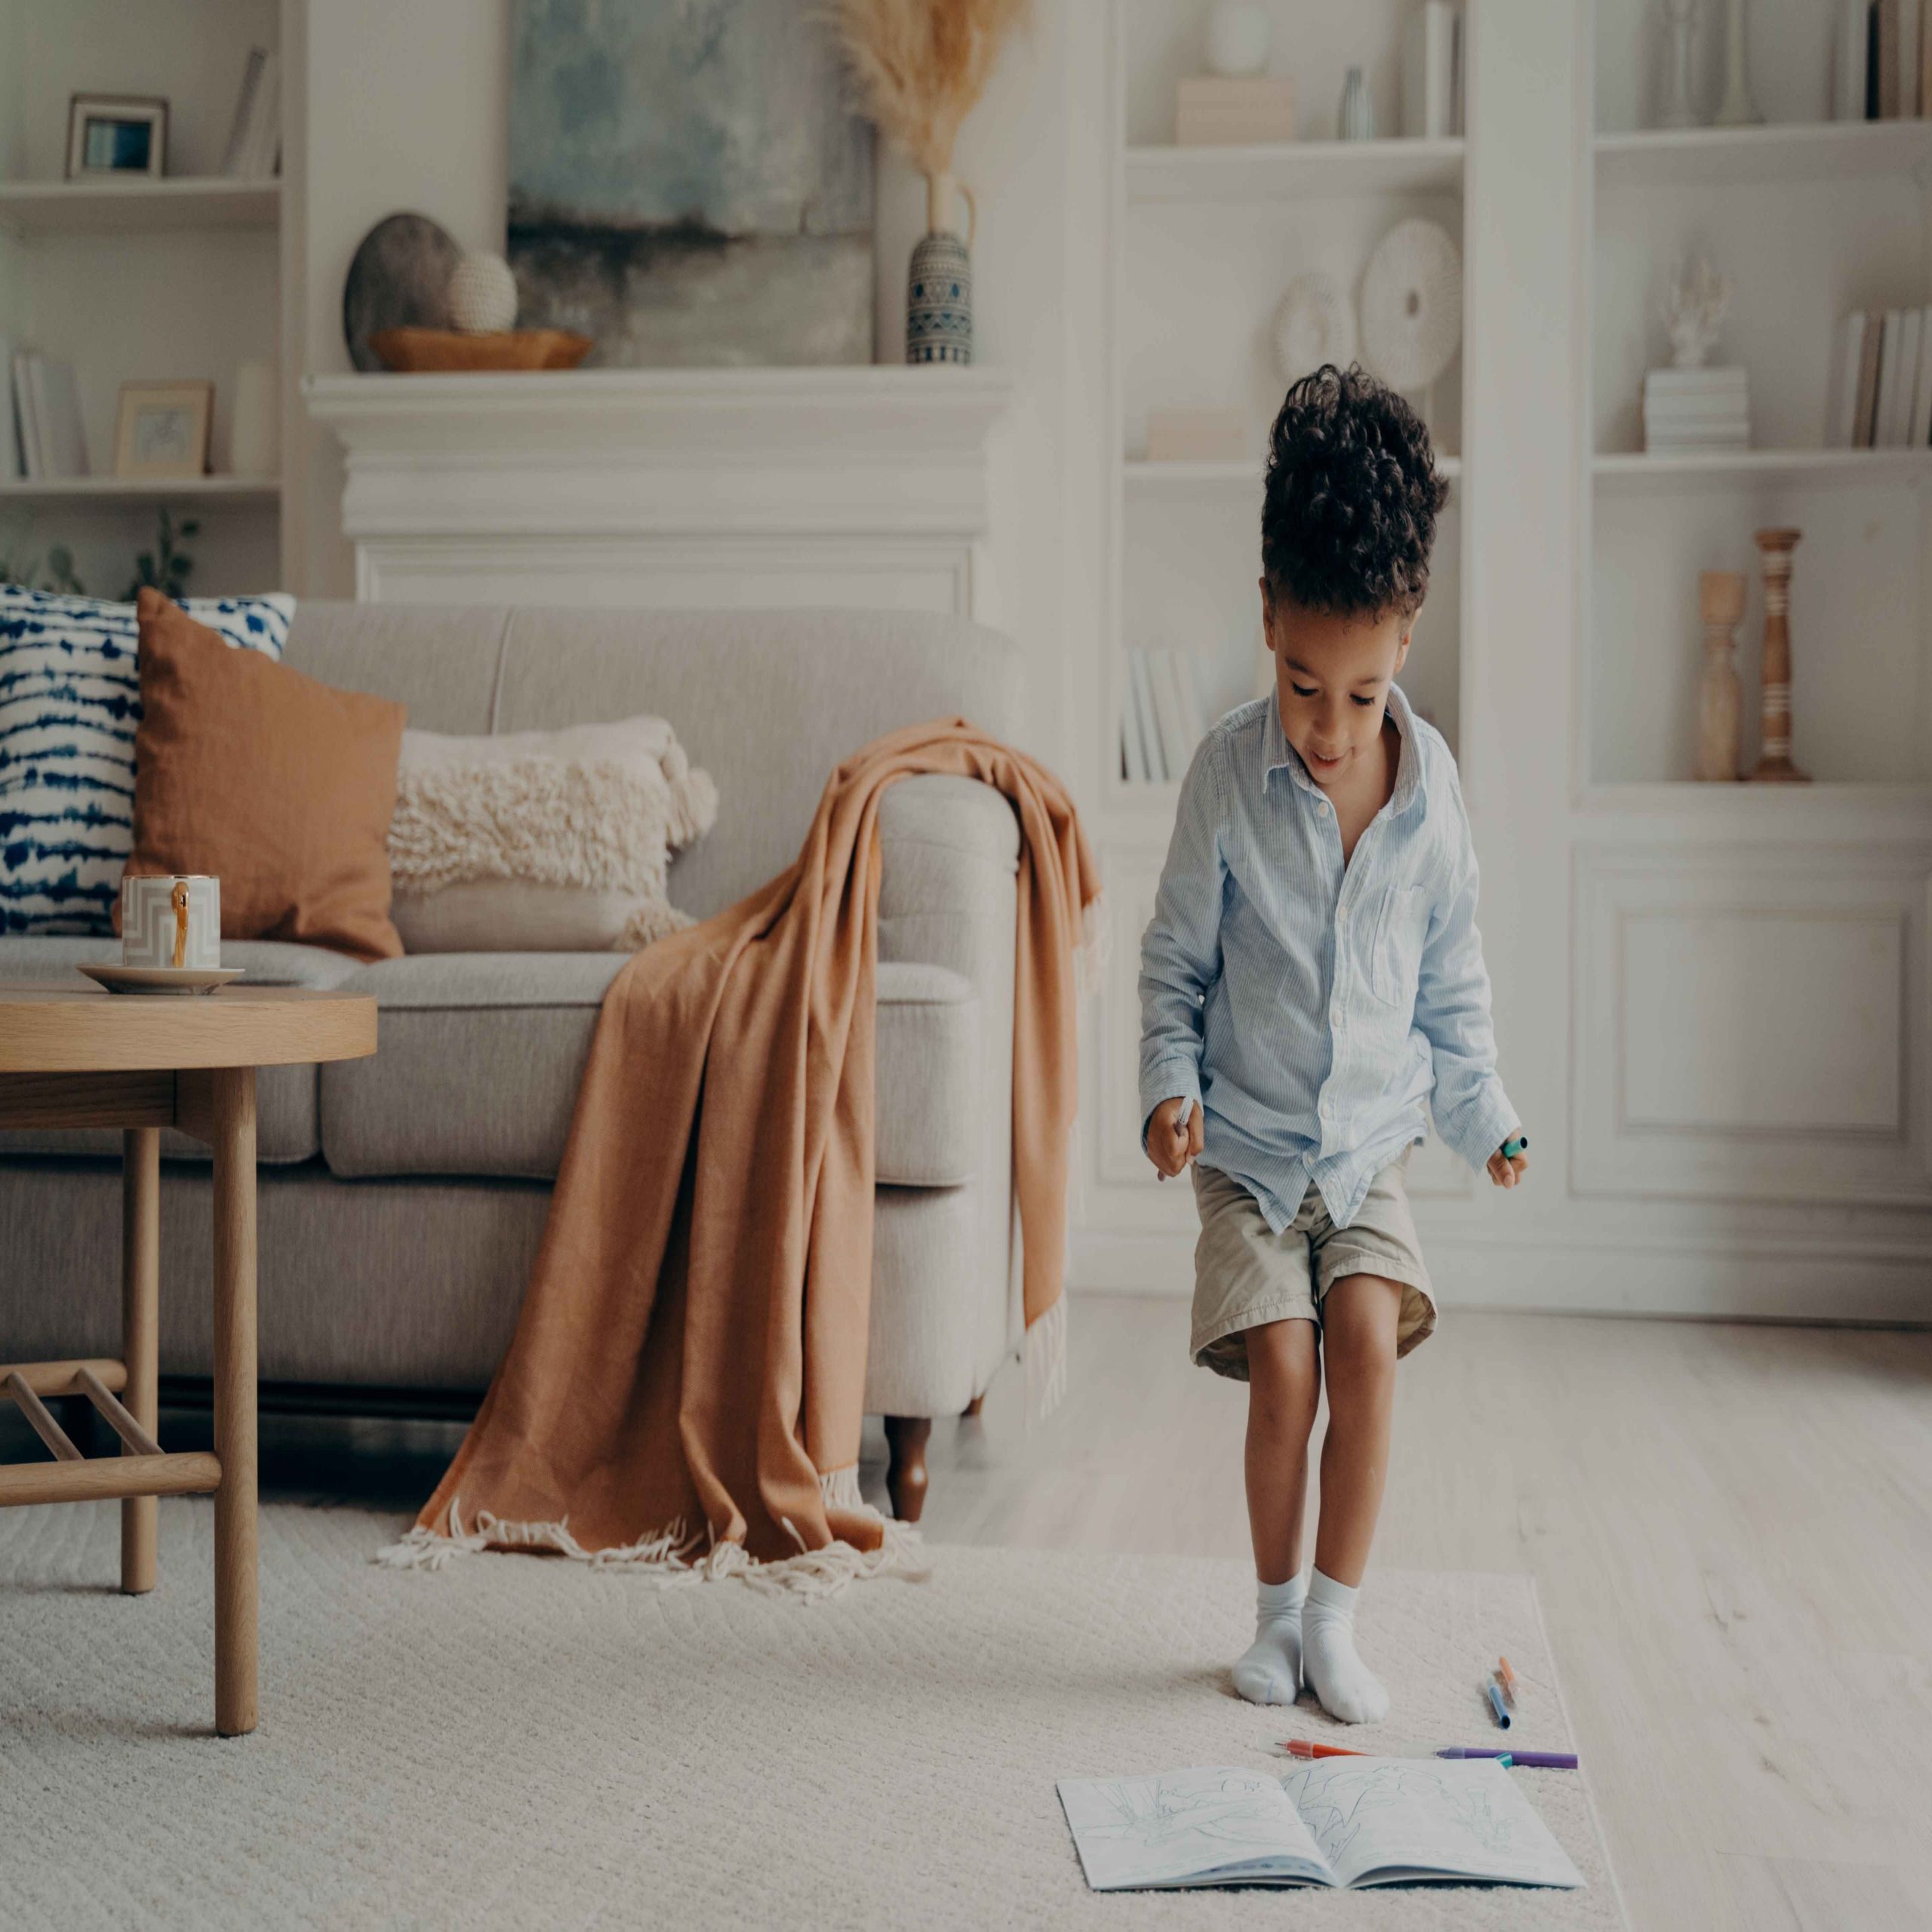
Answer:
(1170, 1145)
(1506, 1168)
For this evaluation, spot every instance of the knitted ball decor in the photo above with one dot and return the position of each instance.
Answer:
(482, 295)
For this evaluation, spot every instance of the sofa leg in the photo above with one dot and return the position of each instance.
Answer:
(905, 1438)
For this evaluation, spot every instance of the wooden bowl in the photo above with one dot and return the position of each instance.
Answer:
(421, 351)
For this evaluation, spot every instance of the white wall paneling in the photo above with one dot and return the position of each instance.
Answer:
(1751, 1024)
(671, 486)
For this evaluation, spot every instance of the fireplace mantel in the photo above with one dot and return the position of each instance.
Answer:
(657, 487)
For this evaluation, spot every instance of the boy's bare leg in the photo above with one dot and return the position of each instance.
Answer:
(1359, 1316)
(1283, 1386)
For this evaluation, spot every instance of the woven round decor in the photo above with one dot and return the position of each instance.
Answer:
(1314, 324)
(1412, 304)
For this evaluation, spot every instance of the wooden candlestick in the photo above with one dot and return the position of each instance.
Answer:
(1721, 697)
(1775, 767)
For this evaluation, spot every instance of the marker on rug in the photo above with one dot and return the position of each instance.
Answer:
(1301, 1747)
(1506, 1678)
(1496, 1705)
(1539, 1760)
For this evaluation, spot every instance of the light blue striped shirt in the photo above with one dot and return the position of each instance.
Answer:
(1313, 1010)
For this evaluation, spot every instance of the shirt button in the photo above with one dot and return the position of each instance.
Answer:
(1322, 808)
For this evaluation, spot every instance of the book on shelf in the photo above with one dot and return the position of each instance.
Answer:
(1133, 766)
(1150, 728)
(13, 465)
(1881, 393)
(64, 441)
(254, 137)
(1160, 722)
(1882, 60)
(46, 406)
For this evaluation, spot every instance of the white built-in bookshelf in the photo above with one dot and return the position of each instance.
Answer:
(1207, 240)
(1810, 218)
(140, 279)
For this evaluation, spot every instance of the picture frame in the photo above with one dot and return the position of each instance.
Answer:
(116, 134)
(161, 430)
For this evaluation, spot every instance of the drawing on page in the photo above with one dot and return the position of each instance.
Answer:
(1152, 1813)
(1338, 1810)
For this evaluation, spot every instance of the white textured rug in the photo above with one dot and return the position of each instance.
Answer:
(518, 1742)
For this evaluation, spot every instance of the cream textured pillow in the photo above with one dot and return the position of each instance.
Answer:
(546, 842)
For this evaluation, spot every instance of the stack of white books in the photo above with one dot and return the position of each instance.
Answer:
(41, 435)
(1696, 409)
(1161, 721)
(1881, 394)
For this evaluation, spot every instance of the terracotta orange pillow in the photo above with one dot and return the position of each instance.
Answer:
(281, 786)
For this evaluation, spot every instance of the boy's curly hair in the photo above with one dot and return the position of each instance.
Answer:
(1348, 512)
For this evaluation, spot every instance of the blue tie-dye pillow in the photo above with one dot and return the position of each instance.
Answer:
(69, 700)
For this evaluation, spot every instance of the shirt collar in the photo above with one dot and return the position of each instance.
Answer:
(1277, 755)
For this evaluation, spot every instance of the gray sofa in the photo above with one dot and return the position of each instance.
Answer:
(402, 1197)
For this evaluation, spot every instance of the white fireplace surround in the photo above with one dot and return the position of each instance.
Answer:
(670, 488)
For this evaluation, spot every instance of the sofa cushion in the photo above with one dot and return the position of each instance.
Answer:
(69, 704)
(481, 1055)
(286, 1127)
(282, 786)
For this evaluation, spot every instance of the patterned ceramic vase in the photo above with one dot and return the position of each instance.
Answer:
(939, 286)
(938, 301)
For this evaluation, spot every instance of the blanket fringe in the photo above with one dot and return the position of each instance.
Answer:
(1046, 1361)
(1096, 946)
(678, 1556)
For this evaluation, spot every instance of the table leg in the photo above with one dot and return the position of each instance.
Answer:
(235, 1582)
(140, 1321)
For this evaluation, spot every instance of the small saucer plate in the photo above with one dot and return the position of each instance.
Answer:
(178, 980)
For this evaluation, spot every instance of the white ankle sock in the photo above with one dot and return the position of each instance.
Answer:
(1269, 1671)
(1347, 1688)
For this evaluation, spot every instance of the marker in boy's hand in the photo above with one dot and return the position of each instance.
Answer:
(1508, 1164)
(1173, 1136)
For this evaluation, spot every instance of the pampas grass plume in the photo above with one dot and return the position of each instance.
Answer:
(922, 66)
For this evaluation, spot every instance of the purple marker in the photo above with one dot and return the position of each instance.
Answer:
(1539, 1761)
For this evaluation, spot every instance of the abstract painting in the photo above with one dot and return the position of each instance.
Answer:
(688, 182)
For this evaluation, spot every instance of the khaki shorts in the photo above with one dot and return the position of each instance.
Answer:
(1245, 1274)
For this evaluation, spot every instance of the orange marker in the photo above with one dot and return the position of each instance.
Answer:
(1300, 1747)
(1506, 1678)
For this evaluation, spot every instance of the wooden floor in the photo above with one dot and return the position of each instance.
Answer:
(1731, 1525)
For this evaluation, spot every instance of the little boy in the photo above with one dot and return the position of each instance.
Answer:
(1312, 978)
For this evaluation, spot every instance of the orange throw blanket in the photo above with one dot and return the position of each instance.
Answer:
(684, 1390)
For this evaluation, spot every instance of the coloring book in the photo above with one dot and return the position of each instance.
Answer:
(1339, 1821)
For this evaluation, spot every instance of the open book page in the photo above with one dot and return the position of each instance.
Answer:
(1379, 1821)
(1219, 1827)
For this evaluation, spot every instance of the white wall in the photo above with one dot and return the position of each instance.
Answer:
(407, 108)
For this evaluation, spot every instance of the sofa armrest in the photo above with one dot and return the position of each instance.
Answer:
(950, 853)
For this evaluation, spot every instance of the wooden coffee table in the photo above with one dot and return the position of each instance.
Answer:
(73, 1056)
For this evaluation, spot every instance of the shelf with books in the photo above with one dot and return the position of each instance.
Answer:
(1763, 156)
(1624, 472)
(1279, 169)
(142, 205)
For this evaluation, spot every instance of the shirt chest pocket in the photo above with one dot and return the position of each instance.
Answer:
(1395, 944)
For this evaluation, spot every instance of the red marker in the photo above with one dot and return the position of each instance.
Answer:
(1300, 1747)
